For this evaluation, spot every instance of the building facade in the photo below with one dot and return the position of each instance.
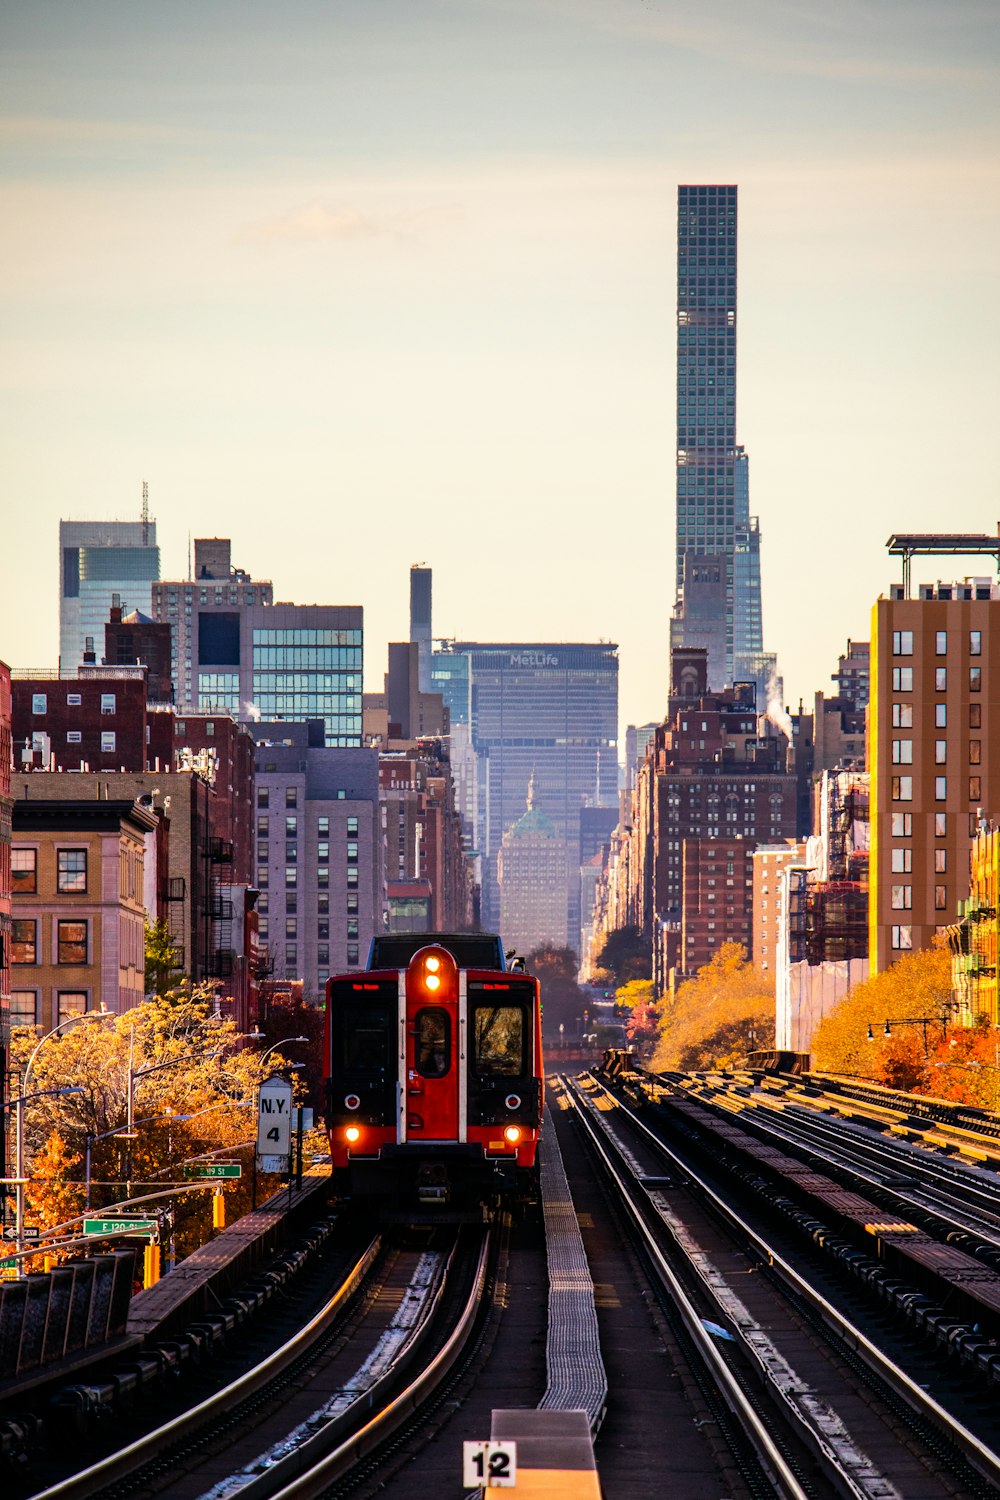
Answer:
(717, 561)
(93, 719)
(934, 768)
(974, 940)
(548, 711)
(97, 561)
(319, 861)
(533, 869)
(78, 934)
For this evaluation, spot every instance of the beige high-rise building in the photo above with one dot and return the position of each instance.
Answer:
(933, 750)
(533, 871)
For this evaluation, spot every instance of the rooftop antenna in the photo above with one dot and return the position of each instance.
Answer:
(145, 514)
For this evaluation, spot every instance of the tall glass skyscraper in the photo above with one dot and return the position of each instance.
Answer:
(718, 542)
(97, 560)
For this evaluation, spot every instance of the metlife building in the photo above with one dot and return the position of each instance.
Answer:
(548, 710)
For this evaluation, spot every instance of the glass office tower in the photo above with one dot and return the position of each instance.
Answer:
(97, 560)
(718, 543)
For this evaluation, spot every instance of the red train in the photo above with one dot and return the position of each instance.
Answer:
(434, 1077)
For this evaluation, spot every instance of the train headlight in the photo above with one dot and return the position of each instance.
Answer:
(353, 1134)
(432, 964)
(512, 1134)
(432, 981)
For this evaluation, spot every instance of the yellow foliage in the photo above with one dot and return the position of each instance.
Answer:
(915, 990)
(717, 1017)
(636, 992)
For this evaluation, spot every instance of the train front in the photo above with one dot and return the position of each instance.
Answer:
(434, 1092)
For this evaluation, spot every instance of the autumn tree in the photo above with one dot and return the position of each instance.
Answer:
(626, 955)
(192, 1087)
(161, 958)
(915, 993)
(563, 1001)
(725, 1012)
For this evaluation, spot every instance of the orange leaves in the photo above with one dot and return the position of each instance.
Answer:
(717, 1017)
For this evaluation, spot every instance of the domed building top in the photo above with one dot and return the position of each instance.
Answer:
(534, 822)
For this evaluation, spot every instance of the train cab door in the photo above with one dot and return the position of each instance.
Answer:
(432, 1047)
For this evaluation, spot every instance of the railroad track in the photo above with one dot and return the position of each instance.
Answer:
(303, 1418)
(844, 1416)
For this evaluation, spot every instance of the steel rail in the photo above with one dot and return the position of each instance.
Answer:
(974, 1449)
(125, 1460)
(769, 1454)
(314, 1466)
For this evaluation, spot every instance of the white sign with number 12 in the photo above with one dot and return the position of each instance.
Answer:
(493, 1464)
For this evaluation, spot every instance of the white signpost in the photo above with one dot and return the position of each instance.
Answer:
(274, 1125)
(492, 1464)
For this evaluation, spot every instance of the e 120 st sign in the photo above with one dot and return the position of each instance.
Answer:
(274, 1118)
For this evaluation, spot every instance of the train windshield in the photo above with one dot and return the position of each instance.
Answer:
(366, 1039)
(498, 1033)
(433, 1050)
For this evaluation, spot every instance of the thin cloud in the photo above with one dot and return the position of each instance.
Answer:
(317, 222)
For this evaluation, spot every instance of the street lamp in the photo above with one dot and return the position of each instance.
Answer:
(91, 1015)
(923, 1021)
(287, 1041)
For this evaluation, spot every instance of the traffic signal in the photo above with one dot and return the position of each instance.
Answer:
(218, 1209)
(151, 1265)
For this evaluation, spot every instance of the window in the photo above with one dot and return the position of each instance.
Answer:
(902, 679)
(352, 901)
(323, 931)
(940, 898)
(902, 861)
(291, 955)
(262, 900)
(902, 752)
(432, 1042)
(72, 1003)
(975, 752)
(323, 954)
(352, 828)
(323, 877)
(975, 643)
(108, 741)
(941, 643)
(902, 788)
(74, 700)
(39, 703)
(323, 853)
(262, 927)
(291, 927)
(940, 825)
(262, 854)
(292, 853)
(940, 716)
(291, 901)
(291, 796)
(940, 679)
(902, 643)
(975, 679)
(71, 865)
(263, 797)
(352, 853)
(940, 752)
(940, 788)
(975, 788)
(291, 876)
(262, 827)
(24, 871)
(23, 941)
(73, 737)
(72, 939)
(498, 1033)
(902, 716)
(323, 828)
(975, 716)
(23, 1007)
(107, 703)
(323, 901)
(352, 953)
(902, 937)
(902, 897)
(263, 879)
(902, 825)
(940, 861)
(352, 876)
(291, 827)
(181, 727)
(352, 927)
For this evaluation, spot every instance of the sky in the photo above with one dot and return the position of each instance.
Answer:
(364, 283)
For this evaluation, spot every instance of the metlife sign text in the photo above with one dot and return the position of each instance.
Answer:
(533, 659)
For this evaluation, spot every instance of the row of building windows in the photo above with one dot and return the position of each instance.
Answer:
(902, 788)
(71, 941)
(40, 702)
(71, 871)
(292, 823)
(902, 716)
(902, 752)
(24, 1007)
(902, 679)
(322, 853)
(902, 643)
(322, 928)
(292, 877)
(322, 902)
(902, 861)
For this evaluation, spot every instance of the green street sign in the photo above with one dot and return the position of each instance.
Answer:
(9, 1264)
(104, 1227)
(213, 1169)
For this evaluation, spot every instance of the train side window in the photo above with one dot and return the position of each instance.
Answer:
(433, 1036)
(366, 1041)
(498, 1033)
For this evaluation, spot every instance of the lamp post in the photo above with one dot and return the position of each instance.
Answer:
(923, 1021)
(92, 1015)
(287, 1041)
